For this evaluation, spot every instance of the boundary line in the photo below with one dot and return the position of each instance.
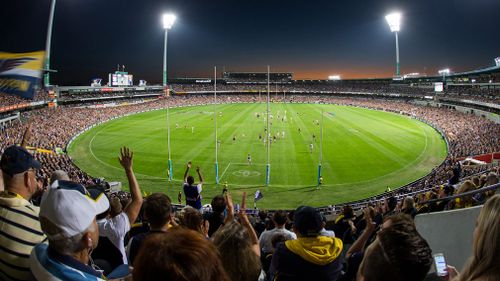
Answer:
(111, 166)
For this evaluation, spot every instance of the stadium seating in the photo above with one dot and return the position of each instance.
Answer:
(466, 135)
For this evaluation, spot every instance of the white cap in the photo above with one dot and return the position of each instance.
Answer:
(71, 207)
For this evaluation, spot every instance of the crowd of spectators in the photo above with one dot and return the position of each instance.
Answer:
(9, 100)
(456, 92)
(74, 96)
(88, 233)
(105, 102)
(483, 94)
(304, 88)
(474, 93)
(54, 127)
(224, 244)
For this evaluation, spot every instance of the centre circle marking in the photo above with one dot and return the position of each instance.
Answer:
(246, 173)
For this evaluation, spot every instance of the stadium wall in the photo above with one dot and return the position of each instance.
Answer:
(450, 233)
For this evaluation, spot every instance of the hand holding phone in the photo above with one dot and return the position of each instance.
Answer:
(440, 264)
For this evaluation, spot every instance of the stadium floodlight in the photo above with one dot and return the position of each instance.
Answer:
(46, 77)
(394, 21)
(497, 61)
(215, 128)
(168, 22)
(444, 72)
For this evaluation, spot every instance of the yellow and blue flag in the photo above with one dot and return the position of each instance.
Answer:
(20, 73)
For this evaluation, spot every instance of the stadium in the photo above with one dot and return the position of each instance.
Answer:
(354, 151)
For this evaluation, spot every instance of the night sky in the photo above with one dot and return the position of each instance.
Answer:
(312, 39)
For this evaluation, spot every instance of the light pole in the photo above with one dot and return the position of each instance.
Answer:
(46, 77)
(444, 72)
(170, 168)
(215, 127)
(168, 21)
(394, 21)
(268, 135)
(320, 150)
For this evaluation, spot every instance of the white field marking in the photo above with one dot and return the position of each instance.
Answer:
(246, 164)
(111, 166)
(246, 173)
(420, 126)
(224, 171)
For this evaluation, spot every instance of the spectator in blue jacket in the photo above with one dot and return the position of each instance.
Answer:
(191, 191)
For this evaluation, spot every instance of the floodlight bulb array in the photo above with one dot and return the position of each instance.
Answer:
(394, 21)
(168, 20)
(445, 71)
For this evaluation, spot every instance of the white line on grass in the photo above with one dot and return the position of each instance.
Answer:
(422, 153)
(111, 166)
(225, 170)
(246, 164)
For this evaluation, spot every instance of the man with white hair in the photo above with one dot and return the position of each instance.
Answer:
(58, 175)
(67, 217)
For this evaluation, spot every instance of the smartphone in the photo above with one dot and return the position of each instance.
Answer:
(440, 264)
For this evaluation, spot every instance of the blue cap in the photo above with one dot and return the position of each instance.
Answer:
(16, 160)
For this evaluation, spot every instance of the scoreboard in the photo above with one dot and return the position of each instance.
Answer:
(121, 78)
(438, 87)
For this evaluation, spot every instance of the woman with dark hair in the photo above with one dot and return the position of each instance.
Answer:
(178, 255)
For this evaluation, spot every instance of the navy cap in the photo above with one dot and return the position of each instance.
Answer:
(16, 160)
(308, 221)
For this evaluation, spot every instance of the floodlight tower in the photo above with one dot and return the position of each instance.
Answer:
(444, 72)
(394, 21)
(168, 22)
(46, 77)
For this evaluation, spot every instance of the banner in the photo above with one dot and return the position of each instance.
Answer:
(20, 73)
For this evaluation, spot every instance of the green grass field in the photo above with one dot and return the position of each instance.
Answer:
(364, 151)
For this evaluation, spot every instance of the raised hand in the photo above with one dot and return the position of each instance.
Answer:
(229, 207)
(243, 210)
(452, 273)
(370, 225)
(125, 158)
